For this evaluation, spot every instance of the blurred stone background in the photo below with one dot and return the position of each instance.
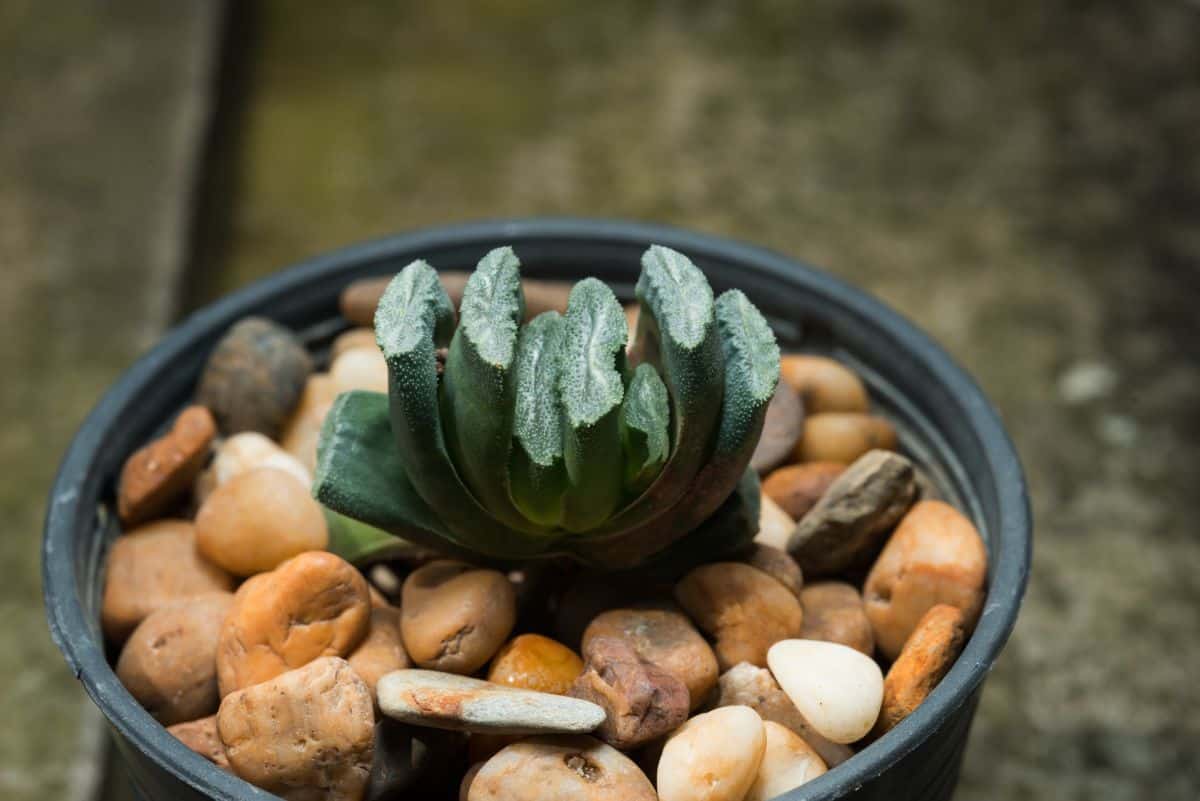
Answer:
(1022, 179)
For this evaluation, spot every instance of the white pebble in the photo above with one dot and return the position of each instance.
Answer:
(360, 368)
(712, 757)
(787, 763)
(836, 688)
(250, 450)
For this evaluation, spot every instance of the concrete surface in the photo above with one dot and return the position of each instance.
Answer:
(100, 109)
(1020, 178)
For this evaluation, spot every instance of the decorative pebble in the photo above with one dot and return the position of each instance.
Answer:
(257, 520)
(781, 429)
(641, 700)
(305, 734)
(777, 564)
(156, 476)
(169, 663)
(302, 430)
(823, 384)
(834, 612)
(924, 661)
(665, 638)
(313, 605)
(788, 762)
(775, 526)
(360, 337)
(248, 451)
(201, 736)
(152, 567)
(742, 607)
(755, 687)
(837, 689)
(847, 526)
(460, 703)
(254, 377)
(382, 650)
(713, 757)
(534, 662)
(843, 437)
(935, 556)
(558, 768)
(796, 488)
(455, 616)
(360, 368)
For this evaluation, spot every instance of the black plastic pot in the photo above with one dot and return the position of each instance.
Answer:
(944, 420)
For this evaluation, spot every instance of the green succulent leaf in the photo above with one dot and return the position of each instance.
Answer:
(677, 333)
(645, 434)
(725, 532)
(360, 474)
(478, 385)
(537, 470)
(361, 544)
(415, 317)
(751, 374)
(591, 387)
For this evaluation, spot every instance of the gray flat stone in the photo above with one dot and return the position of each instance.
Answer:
(448, 701)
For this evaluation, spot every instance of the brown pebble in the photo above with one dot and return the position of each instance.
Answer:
(169, 663)
(157, 476)
(455, 616)
(775, 526)
(304, 735)
(834, 612)
(843, 437)
(361, 337)
(311, 606)
(755, 687)
(781, 429)
(846, 528)
(257, 520)
(534, 662)
(382, 650)
(558, 768)
(151, 567)
(823, 384)
(777, 564)
(254, 377)
(302, 430)
(641, 701)
(743, 608)
(201, 736)
(665, 638)
(935, 556)
(924, 661)
(796, 488)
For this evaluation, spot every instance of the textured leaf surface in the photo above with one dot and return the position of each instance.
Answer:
(677, 333)
(645, 421)
(409, 325)
(751, 372)
(537, 471)
(478, 385)
(591, 386)
(360, 474)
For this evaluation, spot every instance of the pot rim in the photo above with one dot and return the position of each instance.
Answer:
(1010, 543)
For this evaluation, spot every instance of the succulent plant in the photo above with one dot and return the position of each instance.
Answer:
(505, 440)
